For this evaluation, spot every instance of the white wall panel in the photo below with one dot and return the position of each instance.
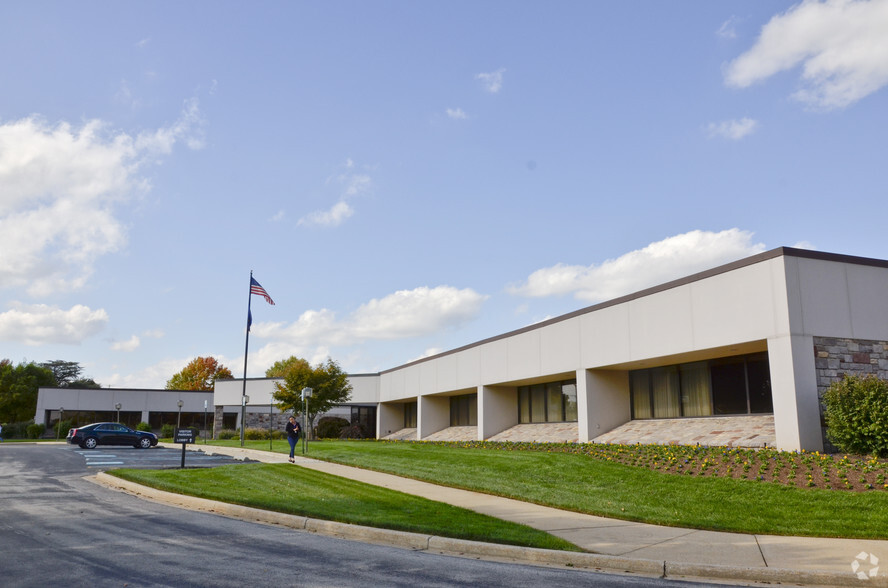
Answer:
(560, 347)
(604, 336)
(524, 355)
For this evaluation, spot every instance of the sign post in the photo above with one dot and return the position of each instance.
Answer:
(183, 436)
(306, 394)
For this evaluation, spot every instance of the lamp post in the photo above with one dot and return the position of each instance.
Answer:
(117, 406)
(179, 403)
(306, 394)
(59, 424)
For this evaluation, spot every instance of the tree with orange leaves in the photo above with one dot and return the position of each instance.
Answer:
(201, 373)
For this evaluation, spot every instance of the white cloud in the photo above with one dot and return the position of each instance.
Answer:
(130, 345)
(142, 43)
(456, 113)
(657, 263)
(281, 214)
(403, 314)
(727, 30)
(842, 46)
(59, 186)
(351, 184)
(805, 245)
(40, 324)
(732, 129)
(492, 81)
(328, 218)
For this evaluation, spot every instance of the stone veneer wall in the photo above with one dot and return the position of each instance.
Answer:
(255, 420)
(835, 357)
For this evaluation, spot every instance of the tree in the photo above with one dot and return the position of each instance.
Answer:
(281, 368)
(329, 384)
(201, 373)
(67, 374)
(18, 390)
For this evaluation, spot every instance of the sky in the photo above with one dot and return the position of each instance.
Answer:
(405, 178)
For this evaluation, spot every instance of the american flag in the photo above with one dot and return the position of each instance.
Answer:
(256, 288)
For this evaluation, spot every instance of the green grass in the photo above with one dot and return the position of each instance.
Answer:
(584, 484)
(284, 488)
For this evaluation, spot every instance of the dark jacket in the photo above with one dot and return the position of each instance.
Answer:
(293, 430)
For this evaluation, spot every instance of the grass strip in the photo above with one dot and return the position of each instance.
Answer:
(584, 484)
(287, 489)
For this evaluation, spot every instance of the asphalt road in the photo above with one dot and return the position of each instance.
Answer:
(59, 529)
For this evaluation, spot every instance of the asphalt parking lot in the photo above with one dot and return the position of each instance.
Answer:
(157, 458)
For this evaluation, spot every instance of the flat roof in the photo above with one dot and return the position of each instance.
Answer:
(728, 267)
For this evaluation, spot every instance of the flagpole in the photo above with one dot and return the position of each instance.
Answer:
(246, 350)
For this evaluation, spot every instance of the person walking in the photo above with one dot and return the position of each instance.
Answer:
(293, 431)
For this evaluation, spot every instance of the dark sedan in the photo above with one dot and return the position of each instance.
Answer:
(90, 436)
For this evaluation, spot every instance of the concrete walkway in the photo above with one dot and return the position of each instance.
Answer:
(686, 552)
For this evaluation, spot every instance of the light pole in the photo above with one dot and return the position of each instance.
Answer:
(59, 424)
(245, 400)
(179, 403)
(306, 394)
(117, 406)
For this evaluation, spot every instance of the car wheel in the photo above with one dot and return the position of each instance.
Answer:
(90, 443)
(145, 443)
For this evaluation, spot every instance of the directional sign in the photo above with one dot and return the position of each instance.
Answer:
(184, 436)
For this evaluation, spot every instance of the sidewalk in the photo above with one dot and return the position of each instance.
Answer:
(684, 552)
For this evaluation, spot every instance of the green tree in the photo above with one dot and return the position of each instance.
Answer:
(18, 390)
(329, 384)
(201, 373)
(281, 368)
(67, 374)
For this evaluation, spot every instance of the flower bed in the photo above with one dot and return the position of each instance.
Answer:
(799, 469)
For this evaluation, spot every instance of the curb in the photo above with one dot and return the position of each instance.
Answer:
(466, 548)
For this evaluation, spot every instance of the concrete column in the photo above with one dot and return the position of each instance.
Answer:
(432, 415)
(389, 418)
(794, 391)
(603, 402)
(145, 416)
(497, 410)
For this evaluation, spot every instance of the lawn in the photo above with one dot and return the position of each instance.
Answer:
(283, 488)
(564, 477)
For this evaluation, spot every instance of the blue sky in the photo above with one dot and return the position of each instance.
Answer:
(408, 177)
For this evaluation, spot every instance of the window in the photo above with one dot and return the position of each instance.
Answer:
(366, 417)
(730, 385)
(464, 410)
(555, 402)
(410, 415)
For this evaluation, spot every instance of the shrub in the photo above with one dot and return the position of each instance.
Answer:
(60, 429)
(228, 434)
(331, 427)
(253, 434)
(143, 426)
(856, 412)
(354, 431)
(17, 430)
(167, 431)
(36, 430)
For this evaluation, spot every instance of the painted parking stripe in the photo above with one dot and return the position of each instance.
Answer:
(98, 463)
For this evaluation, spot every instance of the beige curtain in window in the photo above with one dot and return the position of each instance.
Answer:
(665, 386)
(695, 389)
(641, 394)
